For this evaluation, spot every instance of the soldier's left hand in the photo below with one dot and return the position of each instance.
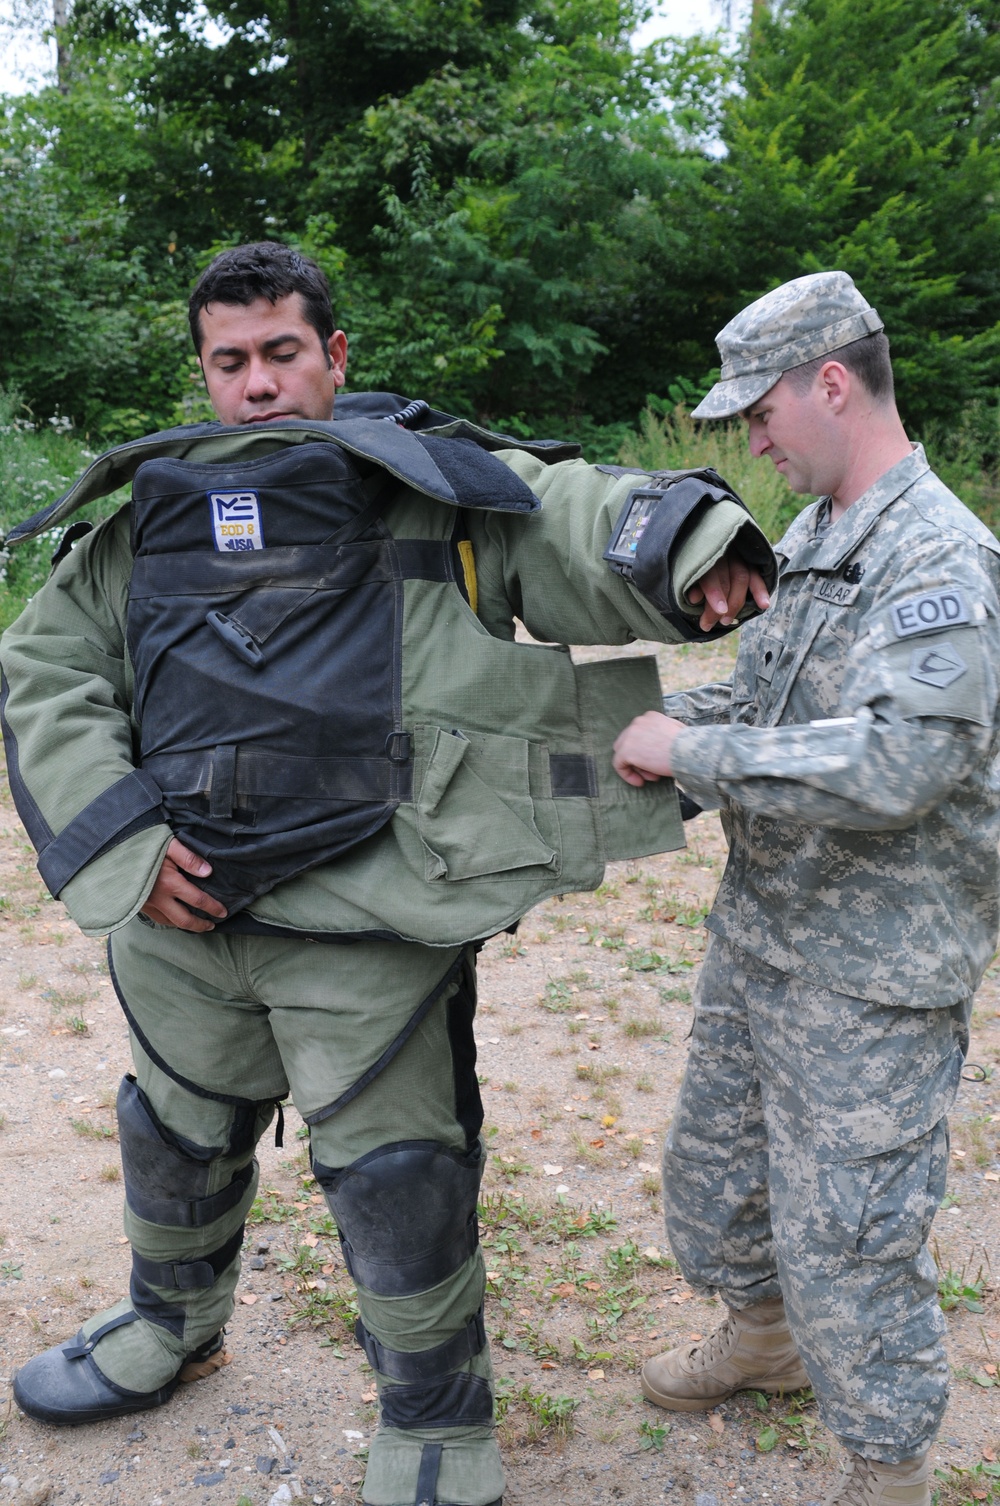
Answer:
(724, 590)
(643, 751)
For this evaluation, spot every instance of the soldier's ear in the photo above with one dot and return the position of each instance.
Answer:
(337, 347)
(835, 383)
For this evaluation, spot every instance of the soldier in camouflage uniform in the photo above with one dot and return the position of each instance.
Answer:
(850, 757)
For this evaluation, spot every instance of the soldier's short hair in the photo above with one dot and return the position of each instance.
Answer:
(262, 269)
(867, 359)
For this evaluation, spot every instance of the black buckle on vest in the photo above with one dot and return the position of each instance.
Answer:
(243, 644)
(399, 747)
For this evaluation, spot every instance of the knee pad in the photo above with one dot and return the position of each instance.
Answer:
(166, 1175)
(407, 1220)
(406, 1214)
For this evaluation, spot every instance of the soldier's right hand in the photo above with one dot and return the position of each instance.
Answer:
(173, 892)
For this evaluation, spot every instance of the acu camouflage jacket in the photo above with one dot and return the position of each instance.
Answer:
(853, 753)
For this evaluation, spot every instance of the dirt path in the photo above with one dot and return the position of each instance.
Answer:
(582, 1043)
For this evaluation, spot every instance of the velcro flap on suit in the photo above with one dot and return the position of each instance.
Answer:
(635, 822)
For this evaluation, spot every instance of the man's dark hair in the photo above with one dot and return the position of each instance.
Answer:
(867, 359)
(262, 269)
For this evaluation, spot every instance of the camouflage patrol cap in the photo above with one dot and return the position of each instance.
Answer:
(789, 326)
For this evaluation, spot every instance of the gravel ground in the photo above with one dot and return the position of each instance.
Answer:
(582, 1031)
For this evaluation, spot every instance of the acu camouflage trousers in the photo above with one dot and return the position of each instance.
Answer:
(807, 1158)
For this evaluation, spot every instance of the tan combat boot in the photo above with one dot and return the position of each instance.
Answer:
(752, 1350)
(867, 1482)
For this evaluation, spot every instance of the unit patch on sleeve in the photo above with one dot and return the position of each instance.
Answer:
(236, 524)
(937, 664)
(930, 611)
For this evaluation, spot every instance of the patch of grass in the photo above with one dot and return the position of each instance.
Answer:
(955, 1289)
(78, 1025)
(580, 1223)
(637, 1029)
(558, 996)
(971, 1486)
(498, 1210)
(544, 1415)
(269, 1207)
(796, 1429)
(644, 1083)
(642, 960)
(65, 999)
(675, 996)
(535, 1343)
(88, 1131)
(110, 1173)
(597, 1073)
(512, 1167)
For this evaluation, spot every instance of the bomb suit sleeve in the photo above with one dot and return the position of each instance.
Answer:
(70, 738)
(550, 569)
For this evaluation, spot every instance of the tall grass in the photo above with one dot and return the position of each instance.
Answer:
(36, 466)
(966, 456)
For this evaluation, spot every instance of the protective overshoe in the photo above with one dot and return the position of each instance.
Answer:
(431, 1467)
(868, 1482)
(750, 1350)
(64, 1385)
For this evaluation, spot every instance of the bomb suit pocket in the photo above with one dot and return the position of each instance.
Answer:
(481, 801)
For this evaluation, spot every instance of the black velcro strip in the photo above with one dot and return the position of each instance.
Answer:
(572, 774)
(425, 1364)
(123, 809)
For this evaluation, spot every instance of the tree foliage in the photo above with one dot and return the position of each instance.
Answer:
(519, 214)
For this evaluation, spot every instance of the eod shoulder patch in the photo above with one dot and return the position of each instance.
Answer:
(930, 612)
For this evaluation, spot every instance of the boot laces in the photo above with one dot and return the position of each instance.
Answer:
(718, 1346)
(852, 1488)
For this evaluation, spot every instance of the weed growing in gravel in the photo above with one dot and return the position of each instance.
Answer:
(547, 1416)
(269, 1208)
(637, 1029)
(11, 1271)
(597, 1073)
(796, 1429)
(110, 1173)
(970, 1486)
(88, 1131)
(558, 996)
(956, 1290)
(653, 1434)
(65, 1000)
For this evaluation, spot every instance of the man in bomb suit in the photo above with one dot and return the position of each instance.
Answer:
(852, 756)
(269, 728)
